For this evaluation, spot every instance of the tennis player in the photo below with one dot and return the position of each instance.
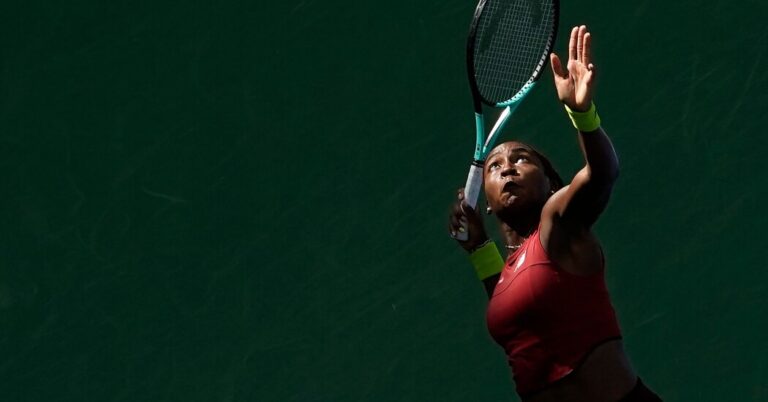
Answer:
(549, 307)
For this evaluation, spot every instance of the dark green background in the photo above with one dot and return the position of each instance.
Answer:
(237, 201)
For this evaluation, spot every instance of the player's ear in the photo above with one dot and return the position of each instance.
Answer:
(553, 187)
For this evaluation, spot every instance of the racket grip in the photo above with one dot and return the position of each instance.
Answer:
(471, 192)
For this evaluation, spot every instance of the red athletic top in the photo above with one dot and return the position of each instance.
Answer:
(546, 319)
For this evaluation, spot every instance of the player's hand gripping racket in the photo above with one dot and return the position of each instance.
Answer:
(508, 46)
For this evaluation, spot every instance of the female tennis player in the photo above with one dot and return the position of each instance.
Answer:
(549, 307)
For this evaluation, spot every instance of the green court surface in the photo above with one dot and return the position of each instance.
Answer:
(247, 201)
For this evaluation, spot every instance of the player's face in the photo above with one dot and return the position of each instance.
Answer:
(514, 179)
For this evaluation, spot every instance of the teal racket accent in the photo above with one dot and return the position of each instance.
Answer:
(480, 139)
(484, 145)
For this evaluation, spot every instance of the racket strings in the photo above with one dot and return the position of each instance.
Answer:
(512, 41)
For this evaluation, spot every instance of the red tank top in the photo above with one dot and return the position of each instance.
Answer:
(546, 319)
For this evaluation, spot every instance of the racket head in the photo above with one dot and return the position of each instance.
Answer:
(508, 47)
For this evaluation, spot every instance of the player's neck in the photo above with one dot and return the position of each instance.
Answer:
(515, 234)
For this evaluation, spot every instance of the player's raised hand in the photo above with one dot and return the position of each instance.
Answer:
(575, 84)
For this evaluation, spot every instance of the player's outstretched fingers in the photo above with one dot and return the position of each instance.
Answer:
(572, 55)
(587, 53)
(580, 43)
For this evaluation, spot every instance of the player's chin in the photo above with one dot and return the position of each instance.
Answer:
(509, 212)
(511, 205)
(509, 199)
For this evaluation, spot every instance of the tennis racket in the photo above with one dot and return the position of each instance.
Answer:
(508, 46)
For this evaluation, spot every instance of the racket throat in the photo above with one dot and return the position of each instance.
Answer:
(500, 123)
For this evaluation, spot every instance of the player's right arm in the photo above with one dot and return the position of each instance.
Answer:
(483, 253)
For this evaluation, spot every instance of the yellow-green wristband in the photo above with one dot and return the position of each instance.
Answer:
(486, 260)
(585, 122)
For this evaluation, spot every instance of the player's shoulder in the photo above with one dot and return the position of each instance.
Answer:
(555, 205)
(553, 215)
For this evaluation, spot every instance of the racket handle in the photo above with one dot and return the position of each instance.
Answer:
(471, 193)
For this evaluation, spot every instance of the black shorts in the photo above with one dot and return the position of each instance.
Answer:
(641, 393)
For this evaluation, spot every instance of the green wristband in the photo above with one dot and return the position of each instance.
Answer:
(486, 260)
(585, 122)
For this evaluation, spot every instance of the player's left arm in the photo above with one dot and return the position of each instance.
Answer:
(586, 197)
